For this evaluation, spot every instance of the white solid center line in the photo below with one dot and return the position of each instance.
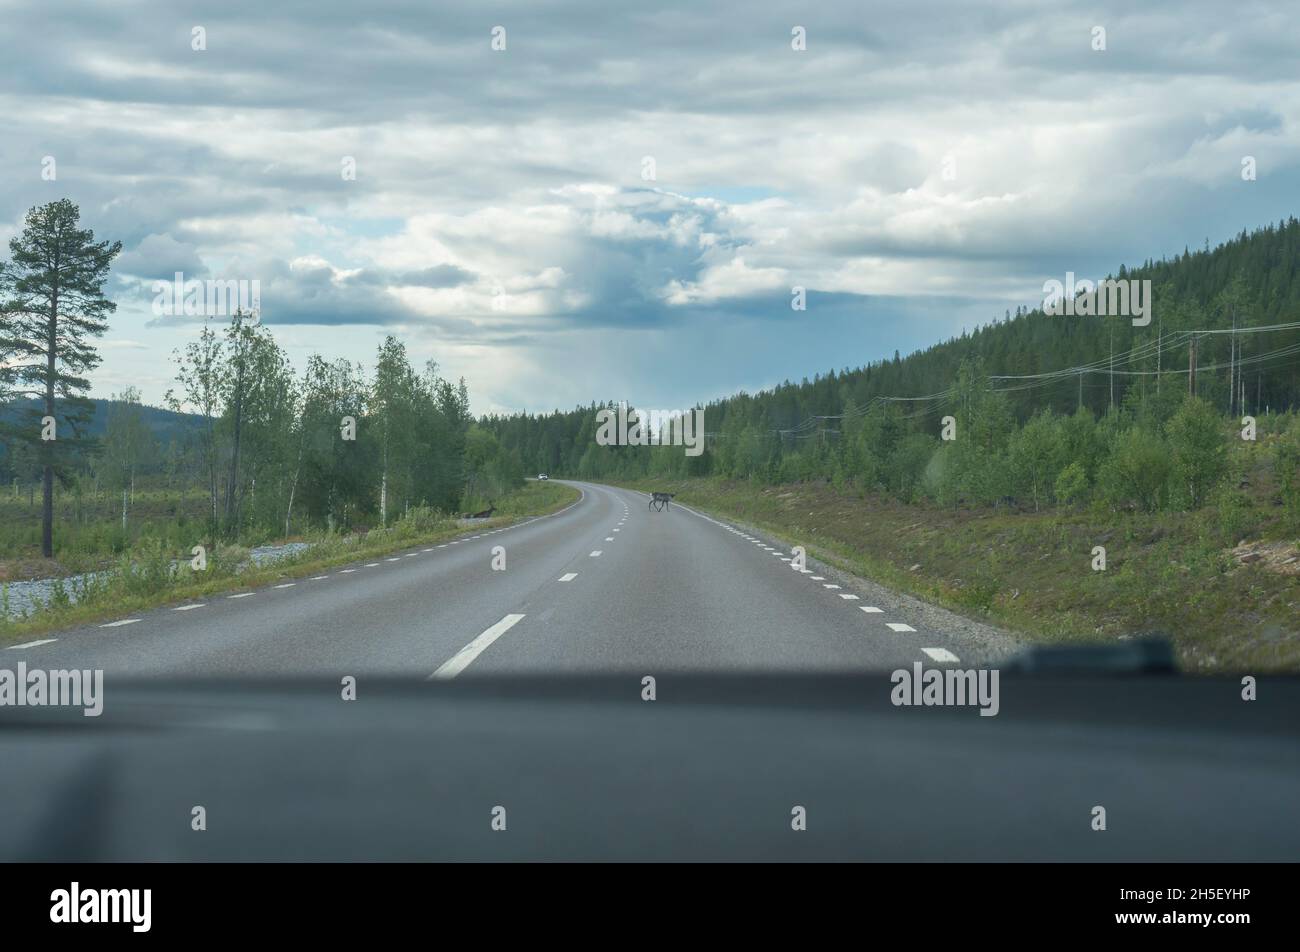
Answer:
(595, 554)
(119, 624)
(940, 654)
(899, 626)
(568, 576)
(463, 658)
(32, 644)
(242, 595)
(187, 608)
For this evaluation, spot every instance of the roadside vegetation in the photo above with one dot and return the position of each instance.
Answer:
(150, 574)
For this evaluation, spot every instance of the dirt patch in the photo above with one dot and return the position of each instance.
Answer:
(1280, 557)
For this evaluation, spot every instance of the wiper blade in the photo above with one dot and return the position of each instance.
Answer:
(1148, 655)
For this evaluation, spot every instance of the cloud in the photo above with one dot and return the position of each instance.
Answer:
(499, 215)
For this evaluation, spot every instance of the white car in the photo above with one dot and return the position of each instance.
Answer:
(542, 476)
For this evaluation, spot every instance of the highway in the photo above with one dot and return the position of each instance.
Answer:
(604, 585)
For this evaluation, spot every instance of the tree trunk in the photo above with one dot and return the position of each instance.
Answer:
(47, 480)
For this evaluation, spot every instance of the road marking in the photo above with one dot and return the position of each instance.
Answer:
(616, 530)
(463, 658)
(287, 585)
(371, 565)
(830, 585)
(940, 654)
(119, 624)
(187, 608)
(410, 555)
(846, 596)
(568, 576)
(318, 578)
(871, 609)
(346, 571)
(426, 550)
(609, 538)
(819, 578)
(899, 626)
(392, 560)
(595, 554)
(242, 595)
(786, 558)
(443, 546)
(33, 644)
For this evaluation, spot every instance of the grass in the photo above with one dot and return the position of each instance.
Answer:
(1172, 573)
(149, 577)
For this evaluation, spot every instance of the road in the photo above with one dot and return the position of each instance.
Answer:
(604, 585)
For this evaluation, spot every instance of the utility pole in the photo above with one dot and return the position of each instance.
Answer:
(1112, 365)
(1232, 361)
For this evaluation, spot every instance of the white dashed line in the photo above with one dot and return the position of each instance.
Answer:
(242, 595)
(819, 578)
(595, 554)
(318, 578)
(847, 597)
(568, 577)
(287, 585)
(609, 538)
(32, 644)
(392, 560)
(871, 609)
(899, 626)
(186, 608)
(830, 585)
(940, 654)
(463, 658)
(346, 571)
(119, 624)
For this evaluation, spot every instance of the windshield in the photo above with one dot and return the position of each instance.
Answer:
(437, 345)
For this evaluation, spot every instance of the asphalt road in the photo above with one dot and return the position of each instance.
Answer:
(605, 585)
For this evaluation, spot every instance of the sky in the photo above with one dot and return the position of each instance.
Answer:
(568, 202)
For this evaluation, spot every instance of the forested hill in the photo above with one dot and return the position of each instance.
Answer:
(1095, 362)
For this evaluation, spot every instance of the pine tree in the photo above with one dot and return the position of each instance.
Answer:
(51, 303)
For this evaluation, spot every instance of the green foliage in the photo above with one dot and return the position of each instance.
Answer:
(1071, 484)
(1136, 473)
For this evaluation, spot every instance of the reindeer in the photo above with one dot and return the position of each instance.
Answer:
(660, 500)
(485, 514)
